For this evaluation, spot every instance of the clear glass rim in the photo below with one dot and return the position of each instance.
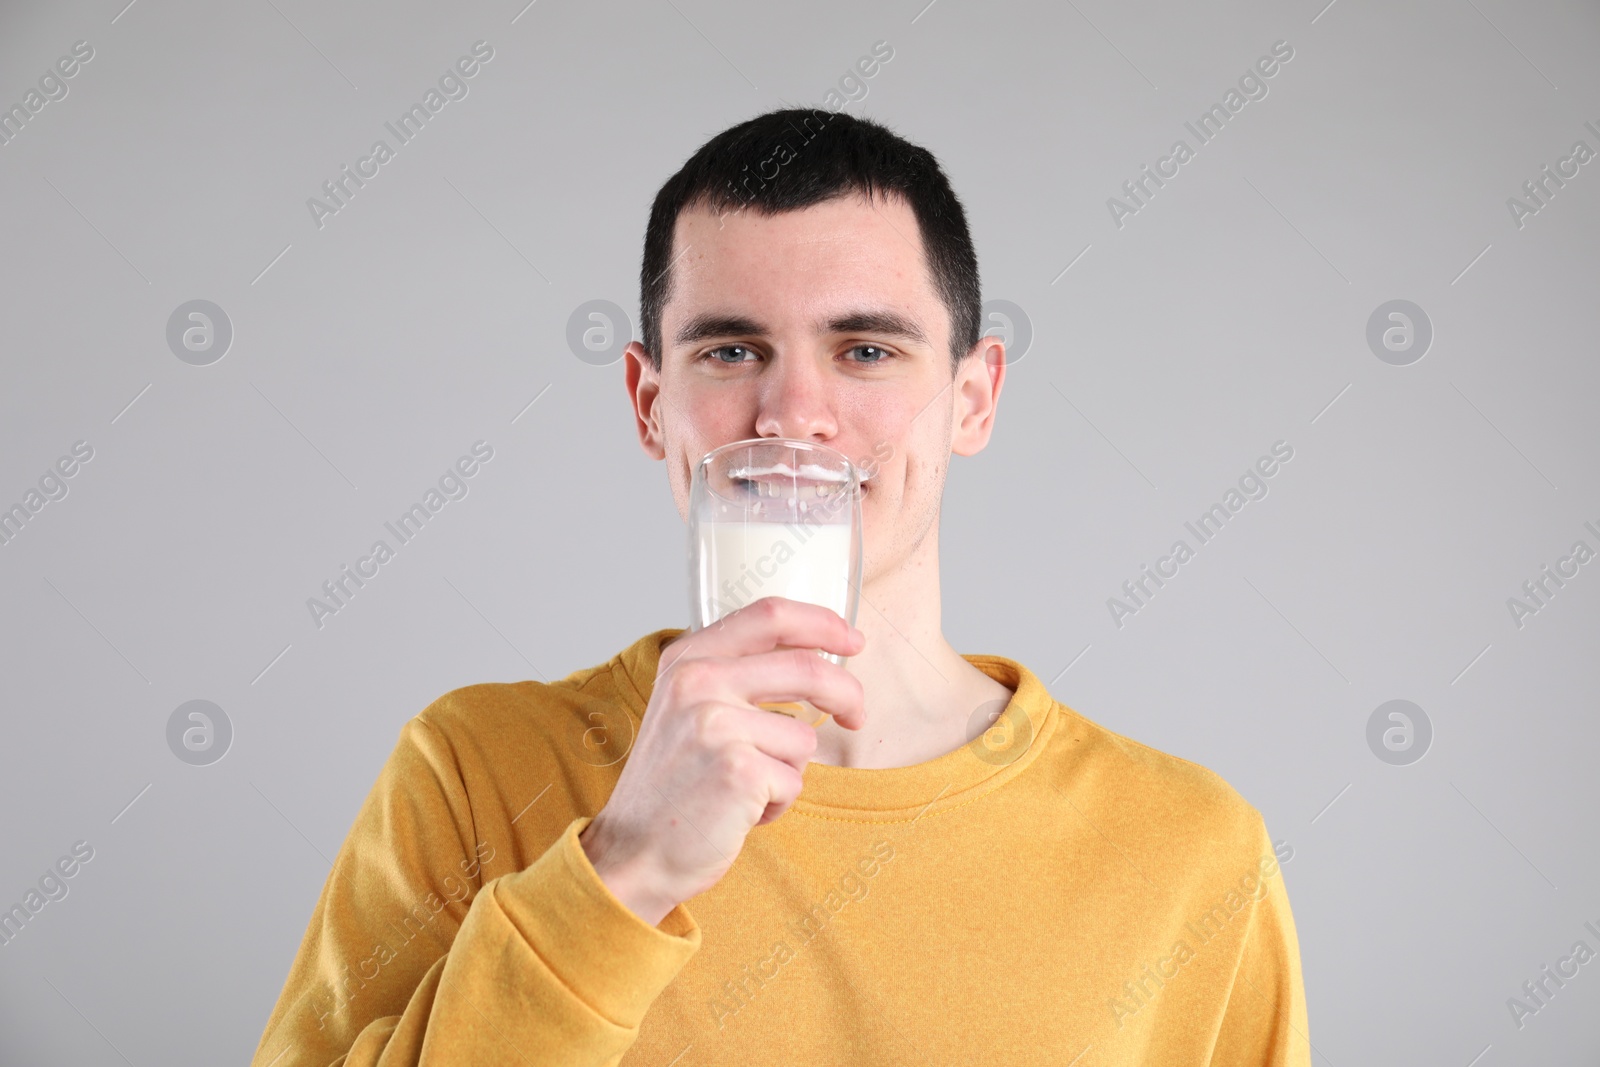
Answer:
(851, 470)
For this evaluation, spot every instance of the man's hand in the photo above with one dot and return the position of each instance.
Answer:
(710, 765)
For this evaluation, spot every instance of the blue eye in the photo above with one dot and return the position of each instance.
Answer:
(716, 355)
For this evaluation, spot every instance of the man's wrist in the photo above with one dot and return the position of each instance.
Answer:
(631, 881)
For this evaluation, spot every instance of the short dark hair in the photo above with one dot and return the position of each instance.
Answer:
(818, 155)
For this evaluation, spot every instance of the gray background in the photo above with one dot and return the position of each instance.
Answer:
(369, 354)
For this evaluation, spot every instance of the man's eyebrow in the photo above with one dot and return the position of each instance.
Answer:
(886, 322)
(714, 324)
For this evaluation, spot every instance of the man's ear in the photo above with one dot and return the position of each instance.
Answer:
(644, 393)
(979, 378)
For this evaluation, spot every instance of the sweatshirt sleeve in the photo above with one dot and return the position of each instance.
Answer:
(412, 957)
(1264, 1023)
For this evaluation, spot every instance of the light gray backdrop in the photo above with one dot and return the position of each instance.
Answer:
(1173, 342)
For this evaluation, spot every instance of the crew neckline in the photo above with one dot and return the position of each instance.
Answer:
(893, 794)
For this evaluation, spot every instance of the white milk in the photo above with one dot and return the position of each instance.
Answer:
(741, 562)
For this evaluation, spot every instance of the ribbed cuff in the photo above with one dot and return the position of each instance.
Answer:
(608, 956)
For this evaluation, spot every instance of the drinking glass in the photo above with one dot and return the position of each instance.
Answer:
(775, 516)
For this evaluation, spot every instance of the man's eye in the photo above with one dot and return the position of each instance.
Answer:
(879, 355)
(717, 354)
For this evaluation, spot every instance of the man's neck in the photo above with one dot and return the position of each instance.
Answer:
(921, 695)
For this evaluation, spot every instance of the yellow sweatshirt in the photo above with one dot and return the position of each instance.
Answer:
(1053, 893)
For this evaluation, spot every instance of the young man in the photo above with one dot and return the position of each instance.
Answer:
(637, 864)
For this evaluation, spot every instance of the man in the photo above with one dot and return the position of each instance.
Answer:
(638, 864)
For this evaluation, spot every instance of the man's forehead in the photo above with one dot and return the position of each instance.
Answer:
(872, 251)
(885, 218)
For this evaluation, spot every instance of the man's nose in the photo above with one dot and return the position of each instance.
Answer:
(797, 399)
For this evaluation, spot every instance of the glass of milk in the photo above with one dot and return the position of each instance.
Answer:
(774, 516)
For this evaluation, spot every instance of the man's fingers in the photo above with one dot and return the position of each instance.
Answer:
(784, 794)
(778, 736)
(790, 675)
(774, 622)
